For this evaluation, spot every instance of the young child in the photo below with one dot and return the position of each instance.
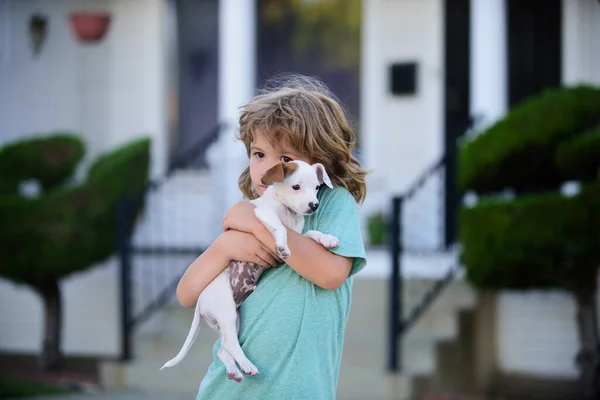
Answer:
(292, 325)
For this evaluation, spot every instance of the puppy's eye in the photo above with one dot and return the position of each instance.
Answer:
(286, 159)
(296, 187)
(318, 187)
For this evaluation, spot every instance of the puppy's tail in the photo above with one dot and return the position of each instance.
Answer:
(189, 341)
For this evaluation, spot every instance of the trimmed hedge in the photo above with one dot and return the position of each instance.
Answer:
(51, 160)
(70, 229)
(530, 242)
(518, 151)
(579, 158)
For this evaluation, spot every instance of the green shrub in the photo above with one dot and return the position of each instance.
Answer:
(67, 229)
(51, 160)
(21, 388)
(579, 158)
(530, 242)
(543, 239)
(377, 227)
(518, 151)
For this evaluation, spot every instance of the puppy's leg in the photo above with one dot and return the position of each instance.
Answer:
(328, 241)
(227, 319)
(272, 222)
(230, 343)
(229, 362)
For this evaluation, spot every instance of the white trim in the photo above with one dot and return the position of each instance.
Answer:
(237, 83)
(488, 61)
(427, 266)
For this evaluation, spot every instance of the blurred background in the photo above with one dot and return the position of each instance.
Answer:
(480, 120)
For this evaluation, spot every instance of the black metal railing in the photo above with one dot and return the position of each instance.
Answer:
(151, 267)
(400, 245)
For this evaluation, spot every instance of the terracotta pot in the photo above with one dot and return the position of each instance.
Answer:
(90, 26)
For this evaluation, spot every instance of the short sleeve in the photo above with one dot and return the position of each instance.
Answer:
(338, 216)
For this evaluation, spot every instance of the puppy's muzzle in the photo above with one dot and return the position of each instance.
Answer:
(313, 206)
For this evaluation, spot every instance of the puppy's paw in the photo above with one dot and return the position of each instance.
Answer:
(282, 251)
(249, 369)
(235, 375)
(328, 241)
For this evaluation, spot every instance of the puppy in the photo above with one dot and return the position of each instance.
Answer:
(291, 195)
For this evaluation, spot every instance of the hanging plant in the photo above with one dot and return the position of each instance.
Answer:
(38, 29)
(90, 27)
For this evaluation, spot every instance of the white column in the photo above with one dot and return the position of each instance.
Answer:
(237, 71)
(488, 61)
(581, 42)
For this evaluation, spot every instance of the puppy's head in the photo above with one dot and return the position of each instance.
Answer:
(296, 184)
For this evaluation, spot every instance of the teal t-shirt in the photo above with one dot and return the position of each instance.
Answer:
(291, 329)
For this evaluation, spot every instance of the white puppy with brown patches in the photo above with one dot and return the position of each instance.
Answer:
(290, 196)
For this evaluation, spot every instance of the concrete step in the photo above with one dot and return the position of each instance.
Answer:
(354, 382)
(363, 369)
(363, 345)
(159, 348)
(458, 294)
(357, 383)
(147, 377)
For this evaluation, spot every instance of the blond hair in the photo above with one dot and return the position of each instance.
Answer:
(303, 114)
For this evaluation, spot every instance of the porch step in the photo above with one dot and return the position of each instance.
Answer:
(363, 370)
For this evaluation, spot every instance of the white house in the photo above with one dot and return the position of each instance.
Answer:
(430, 70)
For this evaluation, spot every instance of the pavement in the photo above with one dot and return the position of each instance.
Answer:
(117, 396)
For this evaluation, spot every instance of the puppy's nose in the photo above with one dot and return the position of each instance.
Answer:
(313, 206)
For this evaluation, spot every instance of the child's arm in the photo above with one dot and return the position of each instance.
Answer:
(308, 258)
(231, 245)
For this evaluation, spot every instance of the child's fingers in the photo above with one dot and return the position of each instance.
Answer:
(270, 257)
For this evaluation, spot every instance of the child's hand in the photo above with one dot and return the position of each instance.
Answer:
(242, 246)
(241, 217)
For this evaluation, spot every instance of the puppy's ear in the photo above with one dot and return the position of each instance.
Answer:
(289, 168)
(275, 174)
(322, 175)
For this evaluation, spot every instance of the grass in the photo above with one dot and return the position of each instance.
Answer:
(16, 388)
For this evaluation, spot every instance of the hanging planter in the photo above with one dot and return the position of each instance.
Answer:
(89, 27)
(38, 29)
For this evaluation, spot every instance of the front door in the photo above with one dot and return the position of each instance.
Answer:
(534, 29)
(197, 59)
(456, 99)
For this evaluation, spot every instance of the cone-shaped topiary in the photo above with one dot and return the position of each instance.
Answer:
(68, 228)
(50, 160)
(518, 151)
(541, 239)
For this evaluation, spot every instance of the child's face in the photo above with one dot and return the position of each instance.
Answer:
(263, 156)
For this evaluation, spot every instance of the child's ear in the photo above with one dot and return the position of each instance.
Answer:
(275, 174)
(322, 175)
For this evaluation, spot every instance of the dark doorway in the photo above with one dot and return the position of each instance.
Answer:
(198, 41)
(534, 39)
(319, 38)
(456, 100)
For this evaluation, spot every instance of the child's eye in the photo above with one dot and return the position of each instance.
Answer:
(286, 159)
(296, 187)
(259, 154)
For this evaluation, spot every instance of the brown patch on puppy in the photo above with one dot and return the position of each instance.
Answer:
(278, 173)
(288, 168)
